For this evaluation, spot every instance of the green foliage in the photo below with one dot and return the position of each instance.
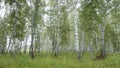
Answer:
(20, 18)
(64, 32)
(88, 16)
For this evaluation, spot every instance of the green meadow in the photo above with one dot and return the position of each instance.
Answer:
(62, 61)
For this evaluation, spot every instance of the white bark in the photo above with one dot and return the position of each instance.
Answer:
(76, 31)
(82, 47)
(97, 46)
(111, 47)
(25, 44)
(91, 43)
(14, 27)
(91, 47)
(103, 44)
(58, 38)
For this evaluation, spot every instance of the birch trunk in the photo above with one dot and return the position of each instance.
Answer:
(25, 44)
(9, 44)
(5, 35)
(76, 34)
(58, 28)
(103, 44)
(97, 46)
(39, 45)
(31, 50)
(39, 42)
(82, 47)
(14, 27)
(111, 47)
(91, 49)
(55, 42)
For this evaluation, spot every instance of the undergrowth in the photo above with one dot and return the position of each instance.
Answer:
(64, 60)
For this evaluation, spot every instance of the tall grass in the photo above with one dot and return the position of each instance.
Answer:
(45, 60)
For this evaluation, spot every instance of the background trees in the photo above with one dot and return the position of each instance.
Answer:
(58, 26)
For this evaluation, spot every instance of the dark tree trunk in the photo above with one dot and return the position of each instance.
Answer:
(34, 21)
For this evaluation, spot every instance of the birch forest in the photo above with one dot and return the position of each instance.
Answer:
(59, 33)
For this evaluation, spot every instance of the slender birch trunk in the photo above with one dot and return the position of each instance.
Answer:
(25, 44)
(33, 29)
(55, 41)
(91, 48)
(32, 38)
(76, 35)
(14, 28)
(58, 29)
(39, 44)
(31, 50)
(97, 46)
(38, 41)
(111, 47)
(103, 44)
(82, 47)
(5, 35)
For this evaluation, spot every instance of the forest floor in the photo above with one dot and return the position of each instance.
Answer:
(62, 61)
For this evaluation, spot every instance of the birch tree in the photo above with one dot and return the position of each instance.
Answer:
(76, 30)
(33, 29)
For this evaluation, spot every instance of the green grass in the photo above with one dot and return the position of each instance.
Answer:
(62, 61)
